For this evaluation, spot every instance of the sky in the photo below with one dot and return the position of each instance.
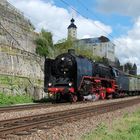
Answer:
(118, 20)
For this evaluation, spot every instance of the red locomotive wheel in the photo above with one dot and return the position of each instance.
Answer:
(74, 98)
(102, 95)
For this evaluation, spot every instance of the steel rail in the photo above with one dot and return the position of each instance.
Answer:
(30, 106)
(23, 107)
(33, 106)
(38, 105)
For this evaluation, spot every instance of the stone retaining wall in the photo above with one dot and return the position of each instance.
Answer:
(21, 69)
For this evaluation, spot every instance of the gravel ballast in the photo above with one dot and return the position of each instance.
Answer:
(73, 131)
(23, 113)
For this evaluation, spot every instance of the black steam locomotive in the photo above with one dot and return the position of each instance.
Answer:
(72, 78)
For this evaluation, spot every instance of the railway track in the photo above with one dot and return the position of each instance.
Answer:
(46, 121)
(33, 106)
(23, 107)
(29, 107)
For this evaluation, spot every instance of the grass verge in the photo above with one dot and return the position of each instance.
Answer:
(127, 128)
(14, 99)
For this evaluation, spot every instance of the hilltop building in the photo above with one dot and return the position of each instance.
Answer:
(99, 46)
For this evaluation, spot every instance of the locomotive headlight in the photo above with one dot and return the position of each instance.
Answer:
(70, 84)
(63, 58)
(50, 84)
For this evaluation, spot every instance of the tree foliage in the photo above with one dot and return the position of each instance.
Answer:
(44, 44)
(63, 45)
(87, 53)
(117, 63)
(46, 48)
(130, 68)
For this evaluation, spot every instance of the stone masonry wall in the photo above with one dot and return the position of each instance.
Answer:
(21, 70)
(19, 28)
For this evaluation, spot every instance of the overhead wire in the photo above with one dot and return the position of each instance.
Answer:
(91, 12)
(83, 15)
(66, 3)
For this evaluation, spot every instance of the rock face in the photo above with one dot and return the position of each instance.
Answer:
(21, 70)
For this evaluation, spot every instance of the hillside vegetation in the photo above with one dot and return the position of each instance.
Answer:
(10, 99)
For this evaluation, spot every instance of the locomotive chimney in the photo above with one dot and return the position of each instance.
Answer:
(71, 51)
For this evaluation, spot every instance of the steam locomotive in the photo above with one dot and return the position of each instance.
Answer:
(72, 78)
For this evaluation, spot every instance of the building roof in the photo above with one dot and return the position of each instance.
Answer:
(72, 25)
(95, 40)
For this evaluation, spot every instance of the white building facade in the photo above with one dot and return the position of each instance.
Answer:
(100, 46)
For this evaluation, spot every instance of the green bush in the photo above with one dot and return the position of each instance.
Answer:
(44, 44)
(14, 99)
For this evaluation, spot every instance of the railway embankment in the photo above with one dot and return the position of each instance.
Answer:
(76, 130)
(123, 128)
(72, 129)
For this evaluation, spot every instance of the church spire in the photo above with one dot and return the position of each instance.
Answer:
(72, 30)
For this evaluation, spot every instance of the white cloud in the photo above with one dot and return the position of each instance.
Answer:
(128, 46)
(90, 28)
(124, 7)
(56, 19)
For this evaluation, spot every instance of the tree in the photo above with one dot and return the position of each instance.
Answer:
(130, 68)
(87, 53)
(117, 63)
(44, 44)
(105, 61)
(63, 46)
(127, 67)
(133, 71)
